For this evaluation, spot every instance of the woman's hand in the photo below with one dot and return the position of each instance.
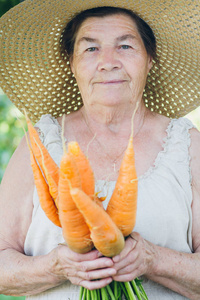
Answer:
(89, 270)
(136, 258)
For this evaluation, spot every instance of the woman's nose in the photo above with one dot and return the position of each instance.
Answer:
(108, 60)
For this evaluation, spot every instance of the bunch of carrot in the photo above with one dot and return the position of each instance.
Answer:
(67, 196)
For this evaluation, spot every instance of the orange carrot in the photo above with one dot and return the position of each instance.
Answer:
(53, 186)
(69, 175)
(122, 206)
(50, 164)
(85, 170)
(46, 201)
(105, 235)
(75, 230)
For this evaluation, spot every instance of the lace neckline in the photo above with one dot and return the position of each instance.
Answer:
(161, 153)
(158, 158)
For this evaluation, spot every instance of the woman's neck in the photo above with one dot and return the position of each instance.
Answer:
(107, 120)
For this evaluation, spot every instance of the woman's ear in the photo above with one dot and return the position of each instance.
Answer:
(71, 64)
(150, 62)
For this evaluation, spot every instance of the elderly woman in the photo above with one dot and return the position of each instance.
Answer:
(111, 52)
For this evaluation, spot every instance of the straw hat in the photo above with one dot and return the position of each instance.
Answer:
(35, 75)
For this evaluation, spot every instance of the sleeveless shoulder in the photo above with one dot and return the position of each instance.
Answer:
(49, 129)
(178, 131)
(177, 143)
(50, 135)
(175, 151)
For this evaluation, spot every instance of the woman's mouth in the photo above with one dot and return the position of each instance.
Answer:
(111, 82)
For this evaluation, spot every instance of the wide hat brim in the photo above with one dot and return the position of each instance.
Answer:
(35, 74)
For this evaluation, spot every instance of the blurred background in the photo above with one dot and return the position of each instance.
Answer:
(12, 123)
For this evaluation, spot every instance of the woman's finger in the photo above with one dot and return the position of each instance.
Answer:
(130, 244)
(127, 277)
(128, 261)
(65, 251)
(96, 284)
(99, 263)
(137, 262)
(96, 274)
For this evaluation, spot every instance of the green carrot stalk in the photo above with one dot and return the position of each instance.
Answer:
(110, 293)
(104, 295)
(88, 295)
(136, 290)
(139, 284)
(99, 294)
(130, 291)
(124, 290)
(85, 294)
(81, 293)
(94, 295)
(119, 292)
(116, 289)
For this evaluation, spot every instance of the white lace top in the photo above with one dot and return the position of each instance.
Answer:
(164, 205)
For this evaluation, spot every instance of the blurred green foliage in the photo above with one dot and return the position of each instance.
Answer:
(3, 297)
(5, 5)
(11, 131)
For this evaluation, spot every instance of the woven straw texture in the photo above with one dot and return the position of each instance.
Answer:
(36, 75)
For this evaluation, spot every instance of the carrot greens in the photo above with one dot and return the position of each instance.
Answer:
(132, 290)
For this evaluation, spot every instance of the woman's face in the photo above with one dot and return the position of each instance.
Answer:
(110, 62)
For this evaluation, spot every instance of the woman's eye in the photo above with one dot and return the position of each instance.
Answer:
(125, 47)
(91, 49)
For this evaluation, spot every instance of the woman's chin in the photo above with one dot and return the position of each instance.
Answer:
(114, 99)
